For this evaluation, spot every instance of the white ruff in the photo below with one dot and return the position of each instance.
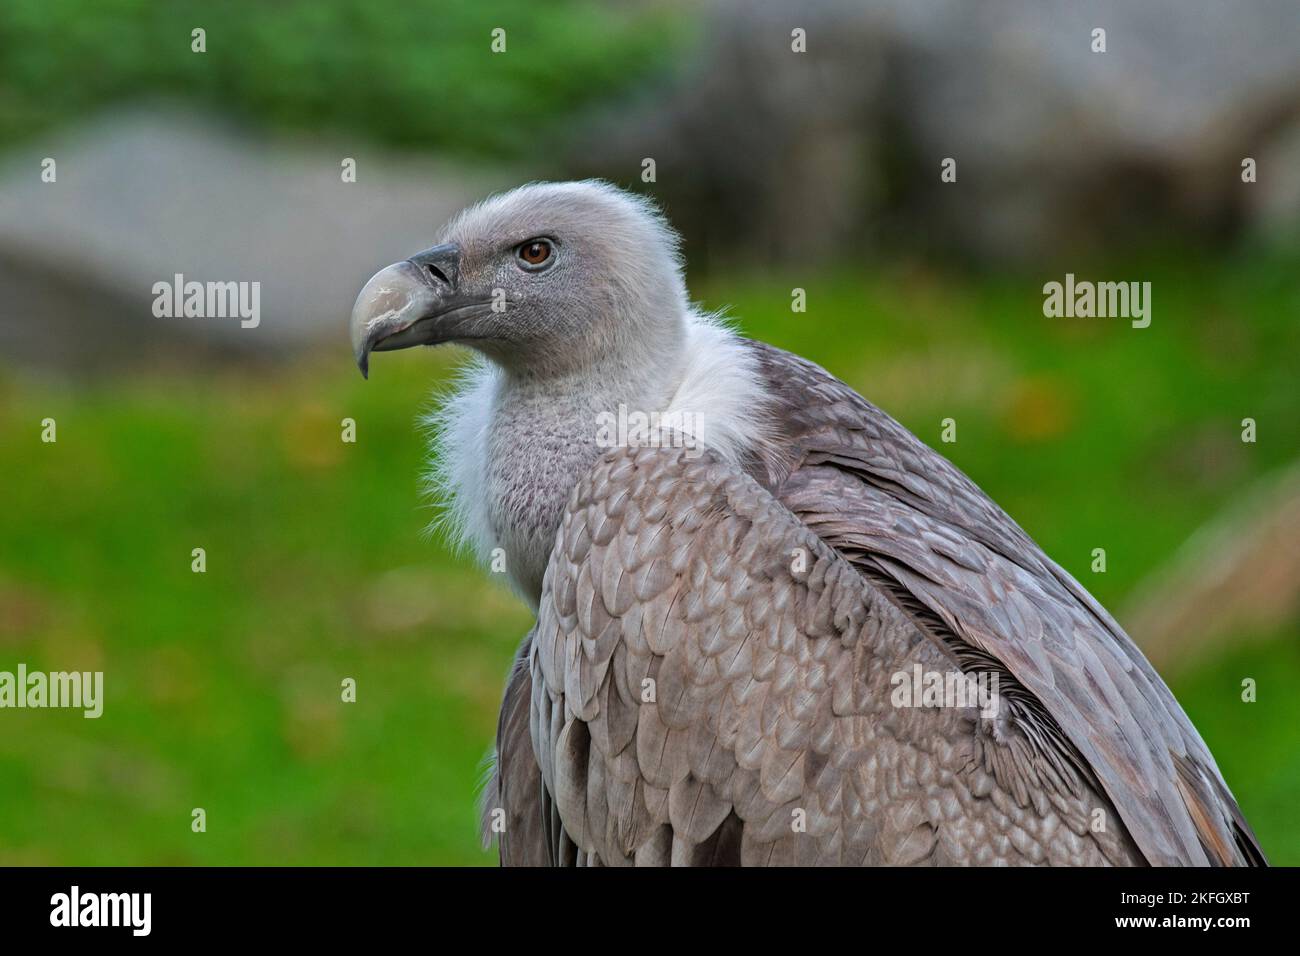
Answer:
(457, 429)
(721, 389)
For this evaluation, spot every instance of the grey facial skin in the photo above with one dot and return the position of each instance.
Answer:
(610, 292)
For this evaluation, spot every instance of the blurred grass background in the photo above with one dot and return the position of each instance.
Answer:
(223, 688)
(323, 66)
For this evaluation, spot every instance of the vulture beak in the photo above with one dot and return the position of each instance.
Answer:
(413, 302)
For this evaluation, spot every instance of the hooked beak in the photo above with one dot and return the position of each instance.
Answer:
(413, 302)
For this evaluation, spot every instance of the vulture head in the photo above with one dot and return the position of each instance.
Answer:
(544, 279)
(574, 296)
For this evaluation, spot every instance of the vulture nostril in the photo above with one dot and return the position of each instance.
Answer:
(437, 273)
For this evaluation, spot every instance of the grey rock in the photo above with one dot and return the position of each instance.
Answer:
(152, 192)
(765, 152)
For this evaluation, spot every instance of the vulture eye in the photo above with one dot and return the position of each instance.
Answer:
(534, 254)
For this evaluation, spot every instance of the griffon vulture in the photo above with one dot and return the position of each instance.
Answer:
(737, 565)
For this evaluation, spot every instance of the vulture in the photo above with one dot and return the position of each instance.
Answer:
(740, 568)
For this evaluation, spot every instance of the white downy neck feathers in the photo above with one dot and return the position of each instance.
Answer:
(719, 388)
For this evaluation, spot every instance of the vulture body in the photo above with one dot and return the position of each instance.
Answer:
(726, 601)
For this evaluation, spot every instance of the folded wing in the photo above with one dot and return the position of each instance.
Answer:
(713, 683)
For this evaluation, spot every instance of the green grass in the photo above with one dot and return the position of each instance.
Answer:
(223, 688)
(420, 73)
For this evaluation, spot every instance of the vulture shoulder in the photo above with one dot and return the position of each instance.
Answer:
(711, 684)
(711, 679)
(915, 525)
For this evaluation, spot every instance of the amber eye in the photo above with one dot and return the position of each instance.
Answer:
(534, 253)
